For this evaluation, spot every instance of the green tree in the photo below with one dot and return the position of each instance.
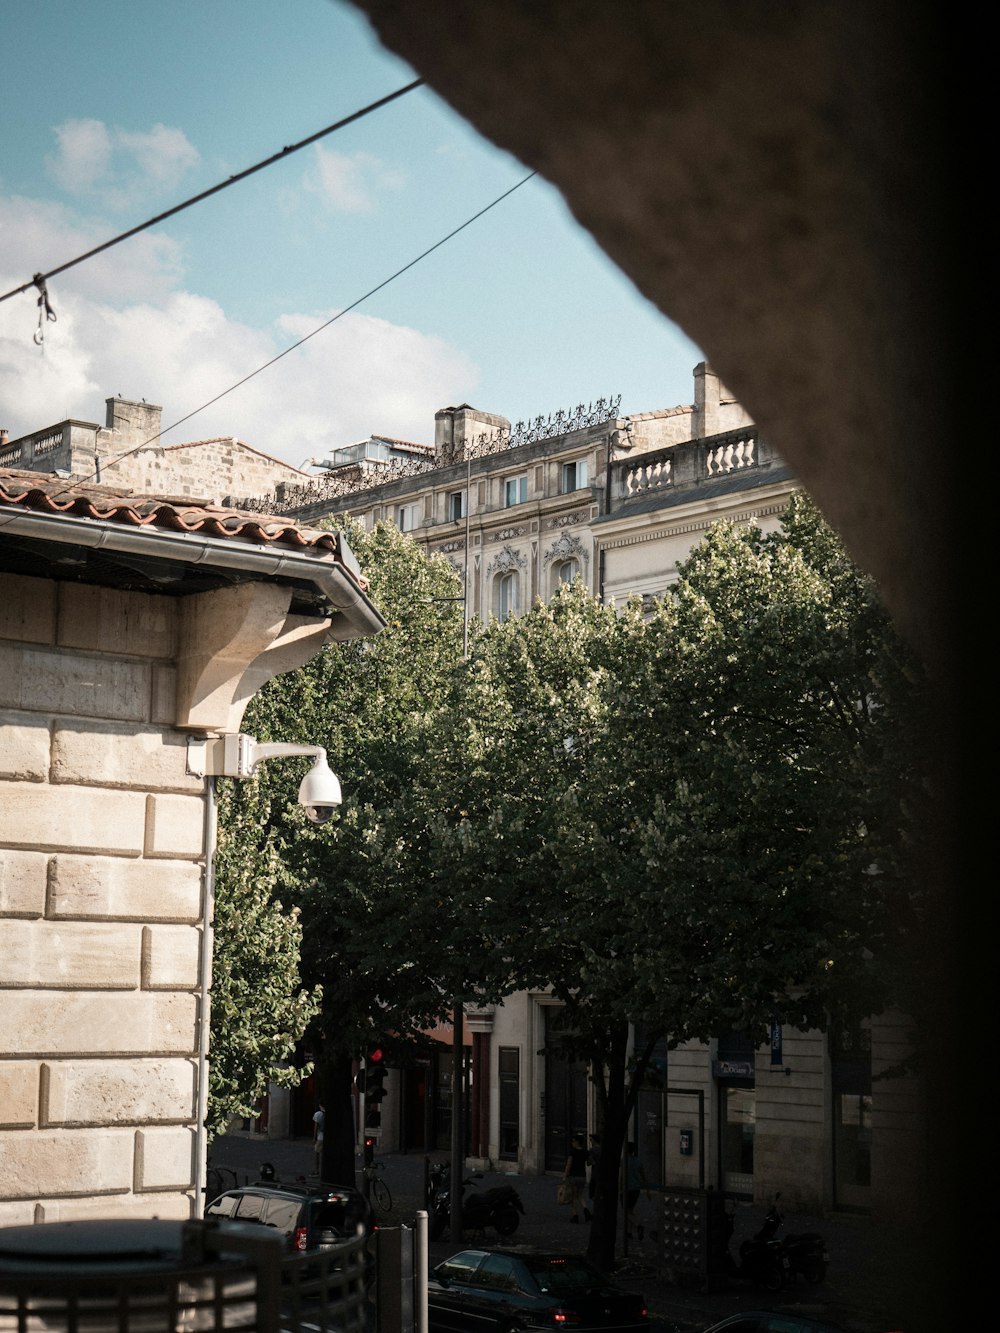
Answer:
(693, 824)
(371, 938)
(259, 1012)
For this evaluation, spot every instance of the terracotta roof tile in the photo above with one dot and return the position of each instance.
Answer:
(50, 494)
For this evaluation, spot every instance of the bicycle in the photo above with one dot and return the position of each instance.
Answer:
(218, 1179)
(381, 1195)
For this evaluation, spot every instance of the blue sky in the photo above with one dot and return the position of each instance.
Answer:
(114, 110)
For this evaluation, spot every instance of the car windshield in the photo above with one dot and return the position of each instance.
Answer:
(563, 1276)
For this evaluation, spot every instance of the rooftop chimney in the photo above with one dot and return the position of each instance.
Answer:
(706, 401)
(134, 423)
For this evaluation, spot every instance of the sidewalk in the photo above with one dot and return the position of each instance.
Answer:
(853, 1295)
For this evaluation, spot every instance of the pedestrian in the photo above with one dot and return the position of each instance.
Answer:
(634, 1180)
(575, 1175)
(319, 1121)
(593, 1158)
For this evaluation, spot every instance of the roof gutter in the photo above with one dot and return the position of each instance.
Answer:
(326, 573)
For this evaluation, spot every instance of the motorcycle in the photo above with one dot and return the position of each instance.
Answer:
(805, 1251)
(499, 1208)
(762, 1260)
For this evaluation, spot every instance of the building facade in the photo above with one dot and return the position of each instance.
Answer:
(615, 500)
(126, 453)
(132, 636)
(618, 501)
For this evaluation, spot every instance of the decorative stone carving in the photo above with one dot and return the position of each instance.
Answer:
(506, 560)
(568, 548)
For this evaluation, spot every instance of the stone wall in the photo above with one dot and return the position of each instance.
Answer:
(207, 469)
(102, 930)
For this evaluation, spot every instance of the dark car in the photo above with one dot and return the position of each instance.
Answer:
(310, 1217)
(766, 1321)
(511, 1290)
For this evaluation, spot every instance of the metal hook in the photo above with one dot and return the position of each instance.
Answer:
(45, 311)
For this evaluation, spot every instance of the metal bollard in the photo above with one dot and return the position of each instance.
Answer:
(394, 1281)
(421, 1261)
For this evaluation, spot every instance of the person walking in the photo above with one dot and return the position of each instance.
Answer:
(575, 1174)
(634, 1182)
(593, 1158)
(319, 1121)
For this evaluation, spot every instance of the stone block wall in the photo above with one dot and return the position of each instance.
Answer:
(207, 469)
(101, 908)
(792, 1152)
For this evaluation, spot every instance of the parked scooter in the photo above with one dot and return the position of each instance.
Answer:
(761, 1261)
(805, 1251)
(499, 1208)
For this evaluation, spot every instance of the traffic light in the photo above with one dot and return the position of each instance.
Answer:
(375, 1076)
(369, 1150)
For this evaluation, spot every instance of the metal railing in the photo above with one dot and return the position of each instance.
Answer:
(172, 1277)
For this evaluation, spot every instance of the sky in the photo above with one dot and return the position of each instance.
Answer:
(113, 111)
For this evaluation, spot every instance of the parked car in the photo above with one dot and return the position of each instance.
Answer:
(506, 1291)
(310, 1217)
(766, 1321)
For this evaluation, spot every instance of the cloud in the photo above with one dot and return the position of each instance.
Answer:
(362, 375)
(120, 166)
(351, 182)
(163, 155)
(83, 159)
(37, 235)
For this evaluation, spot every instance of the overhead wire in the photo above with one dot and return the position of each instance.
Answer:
(109, 463)
(39, 279)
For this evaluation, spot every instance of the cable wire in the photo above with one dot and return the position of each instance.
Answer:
(40, 279)
(109, 463)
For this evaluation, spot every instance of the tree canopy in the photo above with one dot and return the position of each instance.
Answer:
(368, 703)
(692, 818)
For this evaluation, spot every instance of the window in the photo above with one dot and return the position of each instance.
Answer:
(568, 571)
(498, 1271)
(574, 476)
(224, 1207)
(515, 491)
(251, 1208)
(406, 518)
(460, 1267)
(283, 1214)
(507, 596)
(510, 1102)
(456, 505)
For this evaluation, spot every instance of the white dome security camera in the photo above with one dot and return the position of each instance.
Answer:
(320, 792)
(235, 755)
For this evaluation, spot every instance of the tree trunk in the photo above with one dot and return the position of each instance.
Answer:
(339, 1147)
(603, 1227)
(619, 1102)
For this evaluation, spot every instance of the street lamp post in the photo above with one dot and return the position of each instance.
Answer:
(458, 1011)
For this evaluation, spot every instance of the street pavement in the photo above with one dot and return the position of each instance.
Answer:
(854, 1295)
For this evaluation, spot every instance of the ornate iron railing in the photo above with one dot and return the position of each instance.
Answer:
(545, 428)
(352, 481)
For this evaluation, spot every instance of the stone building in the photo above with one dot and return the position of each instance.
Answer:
(126, 452)
(580, 493)
(617, 501)
(133, 633)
